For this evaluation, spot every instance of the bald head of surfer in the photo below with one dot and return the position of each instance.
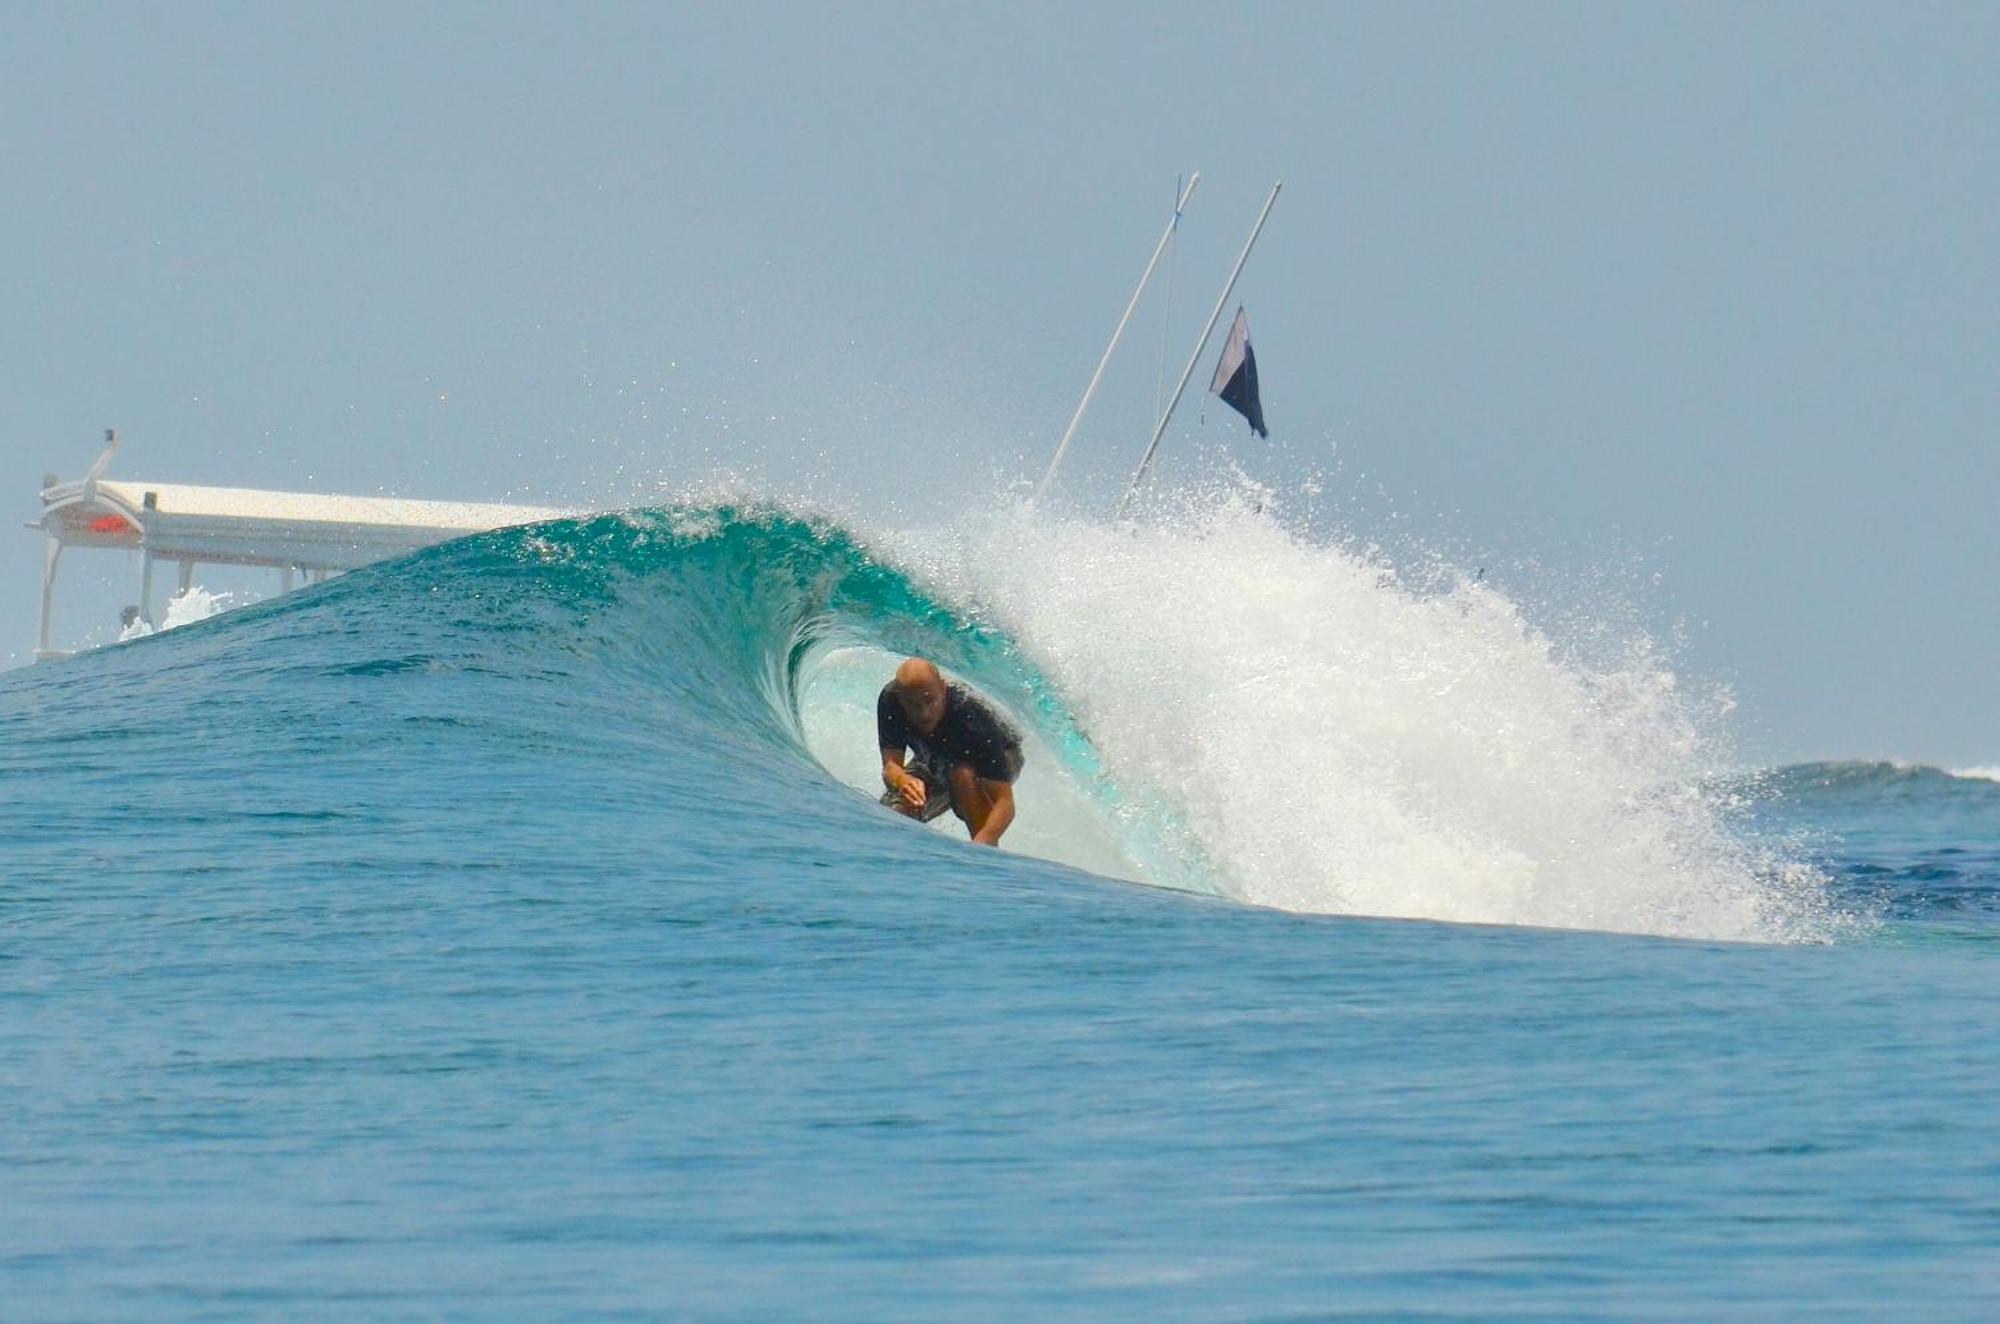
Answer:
(961, 753)
(921, 693)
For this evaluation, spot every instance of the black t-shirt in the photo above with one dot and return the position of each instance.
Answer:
(969, 732)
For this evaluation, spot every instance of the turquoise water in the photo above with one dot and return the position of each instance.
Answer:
(499, 933)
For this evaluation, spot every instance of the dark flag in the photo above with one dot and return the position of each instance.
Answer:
(1236, 376)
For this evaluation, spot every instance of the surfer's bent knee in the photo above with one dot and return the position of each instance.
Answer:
(966, 791)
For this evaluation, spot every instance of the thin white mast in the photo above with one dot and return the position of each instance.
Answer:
(1167, 320)
(1207, 331)
(1076, 420)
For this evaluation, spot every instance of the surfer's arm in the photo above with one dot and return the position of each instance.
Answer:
(1001, 796)
(900, 781)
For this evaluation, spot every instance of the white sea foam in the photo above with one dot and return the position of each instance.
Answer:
(1985, 773)
(1335, 740)
(198, 604)
(193, 604)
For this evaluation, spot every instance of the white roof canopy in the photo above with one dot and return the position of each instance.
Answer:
(245, 526)
(289, 531)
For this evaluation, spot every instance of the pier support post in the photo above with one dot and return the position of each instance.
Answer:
(51, 553)
(146, 588)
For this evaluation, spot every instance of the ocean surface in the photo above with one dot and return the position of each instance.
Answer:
(511, 932)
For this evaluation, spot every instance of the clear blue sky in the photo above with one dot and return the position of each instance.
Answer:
(1702, 293)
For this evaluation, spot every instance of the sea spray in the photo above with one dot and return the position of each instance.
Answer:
(1338, 741)
(191, 604)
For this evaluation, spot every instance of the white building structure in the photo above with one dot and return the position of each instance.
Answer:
(304, 536)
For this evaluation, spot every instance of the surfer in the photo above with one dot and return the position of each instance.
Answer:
(964, 755)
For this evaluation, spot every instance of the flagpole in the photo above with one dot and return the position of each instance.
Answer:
(1199, 345)
(1076, 419)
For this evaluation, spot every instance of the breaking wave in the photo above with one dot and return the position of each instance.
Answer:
(1213, 704)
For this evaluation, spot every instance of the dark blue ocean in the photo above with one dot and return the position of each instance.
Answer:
(510, 932)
